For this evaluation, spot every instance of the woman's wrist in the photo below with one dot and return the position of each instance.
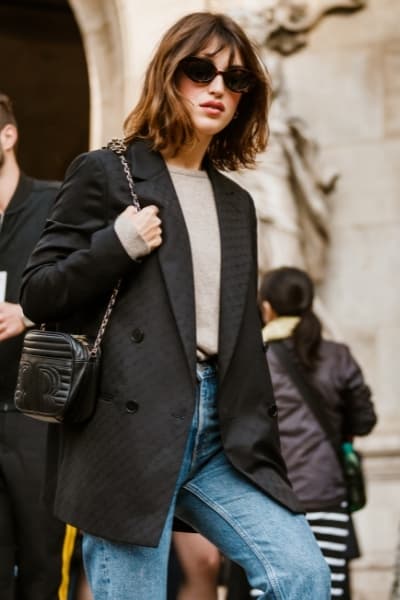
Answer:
(131, 240)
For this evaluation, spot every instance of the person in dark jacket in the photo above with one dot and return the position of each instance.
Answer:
(183, 422)
(31, 539)
(286, 298)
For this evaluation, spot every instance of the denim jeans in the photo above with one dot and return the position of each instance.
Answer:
(275, 547)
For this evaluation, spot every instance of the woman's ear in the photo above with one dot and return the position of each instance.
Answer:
(267, 312)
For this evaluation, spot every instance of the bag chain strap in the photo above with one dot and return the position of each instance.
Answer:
(119, 147)
(106, 318)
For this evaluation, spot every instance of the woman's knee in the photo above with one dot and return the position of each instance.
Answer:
(313, 569)
(307, 567)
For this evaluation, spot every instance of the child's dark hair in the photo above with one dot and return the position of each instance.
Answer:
(290, 292)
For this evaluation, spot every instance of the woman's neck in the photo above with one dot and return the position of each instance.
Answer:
(188, 158)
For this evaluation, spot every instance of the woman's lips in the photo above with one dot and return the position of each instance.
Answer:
(213, 107)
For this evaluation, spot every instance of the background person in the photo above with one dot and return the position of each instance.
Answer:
(286, 299)
(180, 426)
(31, 540)
(286, 296)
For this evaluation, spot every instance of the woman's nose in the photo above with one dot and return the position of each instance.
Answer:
(217, 85)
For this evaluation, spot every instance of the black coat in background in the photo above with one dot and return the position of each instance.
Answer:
(30, 538)
(20, 229)
(114, 477)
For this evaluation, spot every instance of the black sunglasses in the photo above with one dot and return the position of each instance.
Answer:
(202, 70)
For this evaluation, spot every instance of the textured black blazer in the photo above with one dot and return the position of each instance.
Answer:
(114, 476)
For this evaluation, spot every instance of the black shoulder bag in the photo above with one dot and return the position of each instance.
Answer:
(59, 372)
(349, 459)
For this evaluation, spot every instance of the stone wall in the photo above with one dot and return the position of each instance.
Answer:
(346, 84)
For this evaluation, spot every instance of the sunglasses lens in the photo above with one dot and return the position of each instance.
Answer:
(239, 80)
(198, 70)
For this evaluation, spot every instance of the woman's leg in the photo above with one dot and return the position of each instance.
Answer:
(275, 547)
(200, 562)
(118, 571)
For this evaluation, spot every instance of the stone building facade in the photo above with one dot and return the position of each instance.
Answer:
(347, 83)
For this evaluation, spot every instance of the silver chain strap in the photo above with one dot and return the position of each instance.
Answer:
(119, 147)
(106, 318)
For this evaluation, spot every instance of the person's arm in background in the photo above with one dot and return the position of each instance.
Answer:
(12, 320)
(360, 416)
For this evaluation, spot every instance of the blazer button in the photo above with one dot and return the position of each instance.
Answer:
(273, 410)
(137, 335)
(131, 407)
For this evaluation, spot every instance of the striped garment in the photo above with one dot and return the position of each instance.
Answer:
(332, 532)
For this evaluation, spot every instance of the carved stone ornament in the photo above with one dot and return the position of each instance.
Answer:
(286, 22)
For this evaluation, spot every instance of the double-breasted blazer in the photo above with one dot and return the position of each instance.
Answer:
(115, 475)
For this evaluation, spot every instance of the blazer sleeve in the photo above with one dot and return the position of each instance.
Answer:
(360, 416)
(79, 255)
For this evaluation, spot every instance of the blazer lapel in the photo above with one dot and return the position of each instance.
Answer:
(154, 186)
(236, 257)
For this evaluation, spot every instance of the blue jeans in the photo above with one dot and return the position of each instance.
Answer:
(275, 547)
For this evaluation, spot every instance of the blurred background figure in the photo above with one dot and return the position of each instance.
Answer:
(31, 540)
(292, 334)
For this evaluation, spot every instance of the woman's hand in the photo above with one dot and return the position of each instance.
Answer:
(146, 222)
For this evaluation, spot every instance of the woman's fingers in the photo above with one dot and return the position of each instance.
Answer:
(147, 223)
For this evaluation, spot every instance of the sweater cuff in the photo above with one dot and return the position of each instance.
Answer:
(132, 242)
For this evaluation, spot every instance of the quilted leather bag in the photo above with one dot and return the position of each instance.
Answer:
(58, 374)
(57, 379)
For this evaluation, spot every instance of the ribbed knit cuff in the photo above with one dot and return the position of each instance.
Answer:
(131, 240)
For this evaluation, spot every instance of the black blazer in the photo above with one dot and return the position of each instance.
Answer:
(114, 476)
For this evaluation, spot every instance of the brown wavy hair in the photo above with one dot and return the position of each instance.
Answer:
(161, 117)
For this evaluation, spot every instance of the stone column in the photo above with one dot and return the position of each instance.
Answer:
(119, 36)
(100, 26)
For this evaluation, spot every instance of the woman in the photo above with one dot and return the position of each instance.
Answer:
(180, 427)
(286, 296)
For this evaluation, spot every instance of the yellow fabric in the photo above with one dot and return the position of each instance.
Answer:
(67, 551)
(280, 328)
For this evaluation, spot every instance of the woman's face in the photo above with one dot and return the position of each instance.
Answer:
(211, 105)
